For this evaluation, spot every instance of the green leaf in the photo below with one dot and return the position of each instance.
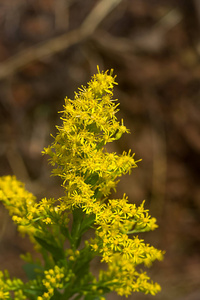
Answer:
(65, 232)
(56, 252)
(92, 179)
(31, 270)
(77, 297)
(87, 222)
(76, 235)
(33, 292)
(83, 263)
(91, 297)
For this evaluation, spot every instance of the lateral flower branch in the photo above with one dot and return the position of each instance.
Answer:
(89, 173)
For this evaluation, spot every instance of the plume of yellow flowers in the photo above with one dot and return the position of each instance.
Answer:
(89, 173)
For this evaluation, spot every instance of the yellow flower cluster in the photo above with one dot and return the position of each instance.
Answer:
(23, 208)
(18, 201)
(4, 294)
(125, 279)
(15, 198)
(115, 221)
(7, 285)
(89, 173)
(54, 278)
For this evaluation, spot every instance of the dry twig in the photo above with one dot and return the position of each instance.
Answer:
(60, 43)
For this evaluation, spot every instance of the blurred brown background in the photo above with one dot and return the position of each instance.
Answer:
(48, 48)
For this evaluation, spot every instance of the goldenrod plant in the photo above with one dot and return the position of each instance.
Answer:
(88, 173)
